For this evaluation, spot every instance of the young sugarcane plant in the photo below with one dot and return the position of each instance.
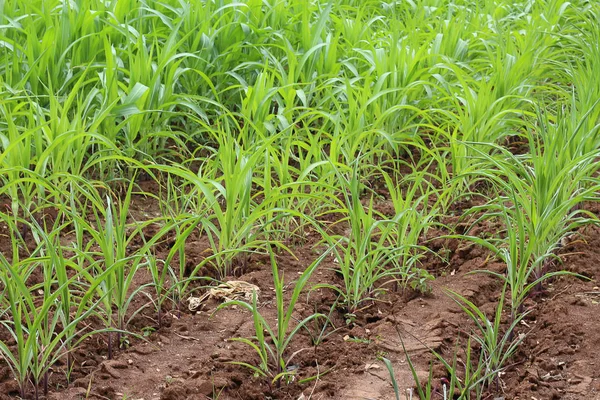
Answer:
(112, 235)
(538, 205)
(377, 249)
(273, 361)
(166, 280)
(36, 322)
(498, 345)
(410, 197)
(469, 385)
(74, 299)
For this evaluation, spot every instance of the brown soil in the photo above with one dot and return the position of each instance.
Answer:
(189, 356)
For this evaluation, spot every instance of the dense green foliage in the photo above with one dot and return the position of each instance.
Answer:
(264, 120)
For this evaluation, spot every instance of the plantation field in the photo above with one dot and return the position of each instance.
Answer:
(277, 199)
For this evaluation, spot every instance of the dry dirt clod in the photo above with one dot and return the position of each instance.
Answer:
(143, 350)
(111, 367)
